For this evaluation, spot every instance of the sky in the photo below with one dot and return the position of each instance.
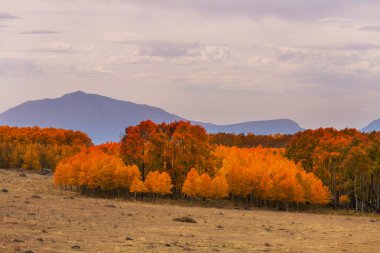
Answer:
(219, 61)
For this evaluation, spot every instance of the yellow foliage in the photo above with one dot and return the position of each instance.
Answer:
(159, 183)
(189, 186)
(137, 185)
(267, 174)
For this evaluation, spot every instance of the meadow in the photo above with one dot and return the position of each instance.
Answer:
(37, 217)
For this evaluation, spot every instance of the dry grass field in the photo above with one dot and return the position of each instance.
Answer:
(36, 218)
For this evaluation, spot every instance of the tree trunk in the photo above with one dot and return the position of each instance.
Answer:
(355, 195)
(378, 191)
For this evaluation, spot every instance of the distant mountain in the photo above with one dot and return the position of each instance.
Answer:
(104, 119)
(373, 126)
(263, 127)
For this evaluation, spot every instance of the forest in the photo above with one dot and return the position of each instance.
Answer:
(338, 168)
(35, 148)
(347, 161)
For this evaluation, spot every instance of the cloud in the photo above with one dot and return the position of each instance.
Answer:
(326, 59)
(13, 66)
(121, 37)
(182, 52)
(370, 28)
(337, 20)
(91, 70)
(31, 32)
(333, 83)
(57, 47)
(294, 10)
(7, 16)
(167, 49)
(346, 46)
(332, 71)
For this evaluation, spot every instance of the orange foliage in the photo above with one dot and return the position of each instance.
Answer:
(159, 183)
(94, 169)
(124, 175)
(344, 199)
(175, 148)
(266, 174)
(138, 186)
(219, 187)
(35, 148)
(203, 186)
(111, 148)
(347, 161)
(189, 186)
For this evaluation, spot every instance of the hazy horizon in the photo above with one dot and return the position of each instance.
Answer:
(212, 61)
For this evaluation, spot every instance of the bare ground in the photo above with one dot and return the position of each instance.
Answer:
(34, 217)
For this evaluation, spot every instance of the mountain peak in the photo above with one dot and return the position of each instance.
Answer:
(75, 93)
(373, 126)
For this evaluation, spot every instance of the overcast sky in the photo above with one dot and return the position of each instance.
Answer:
(219, 61)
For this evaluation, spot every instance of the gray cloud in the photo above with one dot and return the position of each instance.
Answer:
(167, 49)
(18, 67)
(373, 28)
(293, 10)
(31, 32)
(332, 84)
(182, 53)
(58, 51)
(7, 16)
(349, 46)
(57, 47)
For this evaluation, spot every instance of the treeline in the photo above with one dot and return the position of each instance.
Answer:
(250, 140)
(35, 148)
(194, 164)
(347, 161)
(178, 159)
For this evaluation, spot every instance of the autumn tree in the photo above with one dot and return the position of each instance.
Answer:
(203, 186)
(175, 148)
(189, 187)
(158, 183)
(32, 157)
(219, 187)
(124, 175)
(94, 170)
(137, 186)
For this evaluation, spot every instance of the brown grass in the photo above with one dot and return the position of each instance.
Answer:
(67, 222)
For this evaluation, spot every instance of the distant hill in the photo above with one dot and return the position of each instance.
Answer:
(373, 126)
(263, 127)
(104, 119)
